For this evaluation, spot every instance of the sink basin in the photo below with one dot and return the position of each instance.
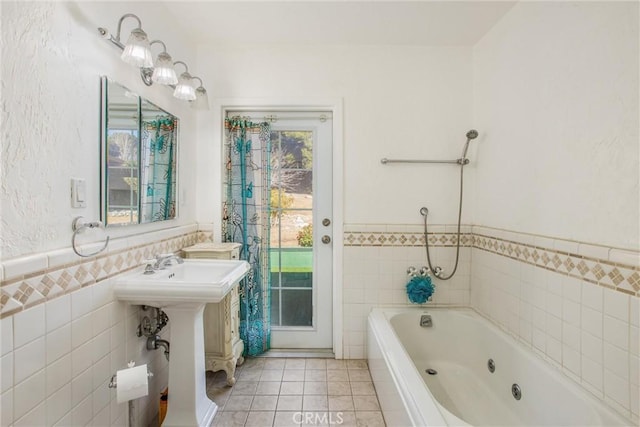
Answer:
(182, 291)
(197, 280)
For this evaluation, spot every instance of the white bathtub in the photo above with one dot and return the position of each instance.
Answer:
(464, 392)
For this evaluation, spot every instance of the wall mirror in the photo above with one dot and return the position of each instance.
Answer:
(139, 151)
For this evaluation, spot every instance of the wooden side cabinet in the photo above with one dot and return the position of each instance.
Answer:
(222, 344)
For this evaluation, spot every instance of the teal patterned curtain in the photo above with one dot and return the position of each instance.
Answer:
(158, 180)
(246, 220)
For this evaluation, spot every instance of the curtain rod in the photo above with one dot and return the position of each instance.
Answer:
(273, 118)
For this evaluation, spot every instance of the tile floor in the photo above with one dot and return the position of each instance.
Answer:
(296, 392)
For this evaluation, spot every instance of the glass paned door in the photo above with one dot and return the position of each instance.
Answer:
(291, 250)
(300, 265)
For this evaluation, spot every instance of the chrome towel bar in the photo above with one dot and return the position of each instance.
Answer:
(385, 161)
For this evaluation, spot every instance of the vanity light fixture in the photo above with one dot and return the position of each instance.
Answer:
(202, 99)
(163, 72)
(137, 52)
(184, 89)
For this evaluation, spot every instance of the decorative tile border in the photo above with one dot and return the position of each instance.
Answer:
(40, 286)
(400, 238)
(622, 277)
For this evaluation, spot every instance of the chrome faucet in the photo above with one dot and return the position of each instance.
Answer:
(163, 260)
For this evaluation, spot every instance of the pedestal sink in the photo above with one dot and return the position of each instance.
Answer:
(182, 292)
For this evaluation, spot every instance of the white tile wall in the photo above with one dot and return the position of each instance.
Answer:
(6, 335)
(58, 312)
(28, 325)
(57, 357)
(376, 276)
(588, 331)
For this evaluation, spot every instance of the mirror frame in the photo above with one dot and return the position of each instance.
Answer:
(104, 111)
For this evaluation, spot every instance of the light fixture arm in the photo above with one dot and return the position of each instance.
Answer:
(199, 79)
(127, 15)
(186, 68)
(164, 46)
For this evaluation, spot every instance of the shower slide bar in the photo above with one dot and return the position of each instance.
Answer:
(462, 161)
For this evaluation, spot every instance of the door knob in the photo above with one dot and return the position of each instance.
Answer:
(326, 239)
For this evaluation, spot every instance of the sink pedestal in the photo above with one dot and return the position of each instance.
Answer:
(182, 292)
(188, 404)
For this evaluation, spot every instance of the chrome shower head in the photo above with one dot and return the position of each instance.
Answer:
(472, 134)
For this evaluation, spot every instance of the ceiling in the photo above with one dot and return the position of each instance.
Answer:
(425, 23)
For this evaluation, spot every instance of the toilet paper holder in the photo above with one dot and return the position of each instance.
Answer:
(113, 383)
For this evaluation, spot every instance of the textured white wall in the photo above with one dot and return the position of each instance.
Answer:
(52, 59)
(399, 102)
(556, 102)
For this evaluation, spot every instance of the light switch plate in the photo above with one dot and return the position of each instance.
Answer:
(78, 193)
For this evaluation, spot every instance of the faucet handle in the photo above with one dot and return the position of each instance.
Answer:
(150, 267)
(166, 255)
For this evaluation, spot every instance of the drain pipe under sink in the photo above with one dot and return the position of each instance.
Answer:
(154, 342)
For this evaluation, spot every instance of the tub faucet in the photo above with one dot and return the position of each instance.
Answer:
(425, 321)
(164, 260)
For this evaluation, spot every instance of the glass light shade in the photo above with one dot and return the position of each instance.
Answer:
(202, 99)
(137, 51)
(184, 90)
(163, 73)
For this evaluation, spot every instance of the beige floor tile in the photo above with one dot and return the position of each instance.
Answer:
(362, 388)
(289, 403)
(249, 375)
(359, 375)
(314, 403)
(316, 364)
(315, 387)
(341, 403)
(315, 419)
(337, 375)
(357, 364)
(295, 364)
(339, 388)
(297, 391)
(219, 395)
(366, 403)
(238, 403)
(230, 419)
(315, 375)
(268, 387)
(343, 418)
(369, 419)
(292, 387)
(336, 364)
(275, 364)
(271, 375)
(244, 387)
(253, 363)
(218, 378)
(264, 403)
(260, 419)
(286, 419)
(293, 375)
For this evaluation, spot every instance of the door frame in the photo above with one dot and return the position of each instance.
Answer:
(215, 126)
